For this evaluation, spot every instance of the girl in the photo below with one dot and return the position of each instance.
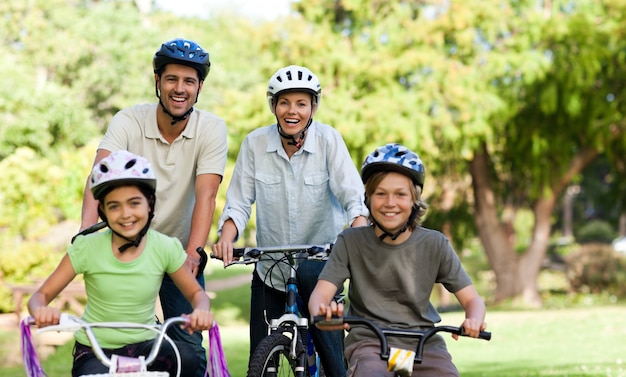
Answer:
(392, 266)
(123, 268)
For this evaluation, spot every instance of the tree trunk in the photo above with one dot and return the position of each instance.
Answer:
(516, 274)
(500, 253)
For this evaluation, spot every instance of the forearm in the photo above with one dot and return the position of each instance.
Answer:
(37, 300)
(200, 301)
(200, 225)
(89, 213)
(202, 217)
(475, 309)
(321, 297)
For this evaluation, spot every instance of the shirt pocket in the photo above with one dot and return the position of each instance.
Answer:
(268, 188)
(316, 186)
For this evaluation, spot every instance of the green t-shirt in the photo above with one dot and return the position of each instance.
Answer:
(122, 291)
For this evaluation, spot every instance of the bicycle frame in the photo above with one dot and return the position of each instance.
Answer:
(290, 324)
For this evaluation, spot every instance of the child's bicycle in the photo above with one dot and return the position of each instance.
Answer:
(400, 361)
(287, 350)
(118, 365)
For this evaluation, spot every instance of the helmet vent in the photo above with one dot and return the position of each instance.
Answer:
(289, 75)
(130, 164)
(104, 168)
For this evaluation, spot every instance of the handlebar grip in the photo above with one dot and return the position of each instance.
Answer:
(486, 335)
(321, 320)
(238, 252)
(203, 261)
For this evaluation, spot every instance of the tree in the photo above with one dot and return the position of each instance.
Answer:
(520, 97)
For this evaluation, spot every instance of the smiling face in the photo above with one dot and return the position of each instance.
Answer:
(179, 86)
(391, 200)
(293, 111)
(127, 211)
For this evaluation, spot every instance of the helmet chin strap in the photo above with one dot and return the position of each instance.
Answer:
(137, 240)
(291, 139)
(175, 118)
(393, 236)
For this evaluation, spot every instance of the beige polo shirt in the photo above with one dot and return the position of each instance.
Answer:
(200, 149)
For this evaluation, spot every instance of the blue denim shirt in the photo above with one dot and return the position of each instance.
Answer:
(308, 199)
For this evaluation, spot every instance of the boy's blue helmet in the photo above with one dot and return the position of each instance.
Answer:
(394, 157)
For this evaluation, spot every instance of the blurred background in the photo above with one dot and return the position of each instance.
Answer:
(515, 107)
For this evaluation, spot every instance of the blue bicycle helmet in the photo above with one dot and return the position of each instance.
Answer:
(182, 51)
(394, 157)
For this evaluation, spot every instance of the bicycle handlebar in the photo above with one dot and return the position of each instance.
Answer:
(382, 333)
(71, 323)
(249, 255)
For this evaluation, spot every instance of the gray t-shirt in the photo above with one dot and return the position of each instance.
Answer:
(200, 149)
(392, 284)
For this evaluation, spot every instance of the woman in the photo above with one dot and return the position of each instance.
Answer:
(306, 188)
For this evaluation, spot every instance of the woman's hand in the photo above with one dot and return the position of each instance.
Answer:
(223, 250)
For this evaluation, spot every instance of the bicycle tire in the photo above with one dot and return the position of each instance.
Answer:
(271, 357)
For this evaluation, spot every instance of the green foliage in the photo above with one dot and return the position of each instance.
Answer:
(23, 263)
(37, 192)
(538, 86)
(595, 231)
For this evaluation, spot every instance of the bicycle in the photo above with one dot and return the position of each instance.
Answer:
(287, 350)
(122, 366)
(400, 361)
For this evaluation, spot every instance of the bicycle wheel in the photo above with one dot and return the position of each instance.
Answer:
(271, 358)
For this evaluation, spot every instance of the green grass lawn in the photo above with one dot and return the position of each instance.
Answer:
(588, 341)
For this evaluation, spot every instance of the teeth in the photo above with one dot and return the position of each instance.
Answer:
(179, 99)
(291, 121)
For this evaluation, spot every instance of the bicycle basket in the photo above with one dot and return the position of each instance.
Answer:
(122, 366)
(132, 374)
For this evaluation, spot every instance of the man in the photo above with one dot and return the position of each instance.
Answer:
(187, 148)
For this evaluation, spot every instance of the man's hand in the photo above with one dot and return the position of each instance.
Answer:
(193, 261)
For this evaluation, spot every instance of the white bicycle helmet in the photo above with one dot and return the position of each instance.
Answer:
(121, 167)
(395, 157)
(293, 78)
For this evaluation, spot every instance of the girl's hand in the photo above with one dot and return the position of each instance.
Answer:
(46, 316)
(199, 320)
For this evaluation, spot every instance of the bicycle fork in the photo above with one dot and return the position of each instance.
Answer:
(296, 325)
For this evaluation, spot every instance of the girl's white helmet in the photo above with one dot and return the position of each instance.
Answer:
(120, 168)
(293, 78)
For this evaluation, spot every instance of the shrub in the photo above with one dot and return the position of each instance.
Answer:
(595, 231)
(596, 268)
